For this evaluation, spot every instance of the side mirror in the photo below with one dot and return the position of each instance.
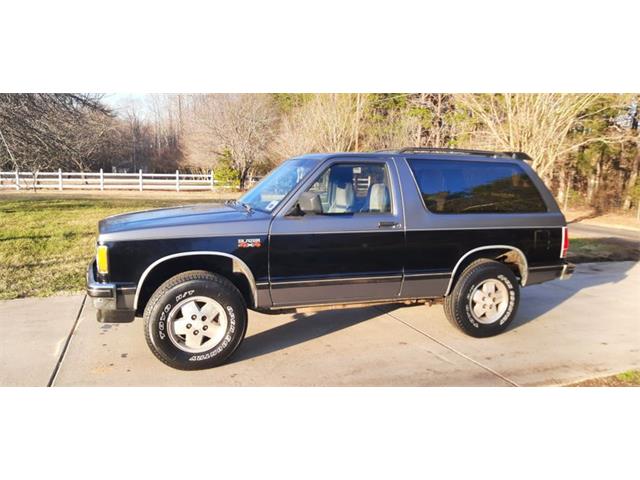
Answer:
(309, 203)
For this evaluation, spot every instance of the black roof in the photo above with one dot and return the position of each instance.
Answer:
(462, 151)
(426, 150)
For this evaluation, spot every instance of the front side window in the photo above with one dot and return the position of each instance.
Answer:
(267, 194)
(457, 186)
(353, 188)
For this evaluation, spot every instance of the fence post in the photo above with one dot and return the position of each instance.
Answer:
(101, 180)
(17, 180)
(212, 184)
(177, 180)
(140, 177)
(59, 179)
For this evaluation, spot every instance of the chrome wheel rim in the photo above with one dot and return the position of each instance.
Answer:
(197, 324)
(489, 301)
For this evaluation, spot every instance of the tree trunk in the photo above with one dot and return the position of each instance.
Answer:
(423, 97)
(631, 183)
(562, 180)
(438, 121)
(567, 193)
(590, 183)
(594, 182)
(357, 126)
(243, 178)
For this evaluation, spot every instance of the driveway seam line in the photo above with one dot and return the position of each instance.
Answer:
(488, 369)
(56, 369)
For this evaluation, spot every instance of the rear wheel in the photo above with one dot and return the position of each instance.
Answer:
(195, 320)
(484, 300)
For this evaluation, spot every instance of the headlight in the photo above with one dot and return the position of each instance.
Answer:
(102, 259)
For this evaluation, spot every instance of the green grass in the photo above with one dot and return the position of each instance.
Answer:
(47, 242)
(603, 249)
(630, 378)
(586, 246)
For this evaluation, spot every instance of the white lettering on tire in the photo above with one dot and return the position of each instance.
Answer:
(162, 321)
(184, 295)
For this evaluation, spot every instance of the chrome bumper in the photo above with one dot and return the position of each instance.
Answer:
(113, 303)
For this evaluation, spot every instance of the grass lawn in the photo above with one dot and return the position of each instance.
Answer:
(603, 250)
(47, 241)
(630, 378)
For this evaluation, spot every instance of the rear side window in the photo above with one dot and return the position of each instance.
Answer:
(455, 186)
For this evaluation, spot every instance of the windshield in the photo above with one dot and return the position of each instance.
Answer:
(267, 194)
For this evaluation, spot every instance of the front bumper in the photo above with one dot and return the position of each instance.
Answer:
(113, 302)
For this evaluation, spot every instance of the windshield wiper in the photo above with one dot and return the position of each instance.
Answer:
(246, 206)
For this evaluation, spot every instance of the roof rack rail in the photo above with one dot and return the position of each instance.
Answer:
(484, 153)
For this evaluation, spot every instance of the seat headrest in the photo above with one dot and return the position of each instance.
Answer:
(379, 198)
(344, 196)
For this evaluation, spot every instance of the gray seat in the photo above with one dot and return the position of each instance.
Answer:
(343, 198)
(379, 198)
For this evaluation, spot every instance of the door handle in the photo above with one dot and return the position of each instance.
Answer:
(388, 224)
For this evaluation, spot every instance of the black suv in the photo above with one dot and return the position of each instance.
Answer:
(331, 230)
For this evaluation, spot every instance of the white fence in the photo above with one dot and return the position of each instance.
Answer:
(109, 181)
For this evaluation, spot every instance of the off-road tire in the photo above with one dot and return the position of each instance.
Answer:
(196, 283)
(457, 305)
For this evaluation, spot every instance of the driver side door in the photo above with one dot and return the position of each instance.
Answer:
(353, 250)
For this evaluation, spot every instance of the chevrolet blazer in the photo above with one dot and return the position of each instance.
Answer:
(466, 228)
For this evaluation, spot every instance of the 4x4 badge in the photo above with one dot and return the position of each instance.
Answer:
(249, 243)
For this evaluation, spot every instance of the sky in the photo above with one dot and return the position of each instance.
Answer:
(120, 101)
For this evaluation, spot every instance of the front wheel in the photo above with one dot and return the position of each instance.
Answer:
(484, 300)
(195, 320)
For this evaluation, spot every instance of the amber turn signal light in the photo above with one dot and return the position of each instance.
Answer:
(102, 260)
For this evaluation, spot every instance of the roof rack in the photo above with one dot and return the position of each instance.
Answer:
(484, 153)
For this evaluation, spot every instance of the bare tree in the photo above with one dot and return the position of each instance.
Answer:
(538, 124)
(327, 122)
(393, 130)
(411, 119)
(436, 122)
(241, 124)
(40, 131)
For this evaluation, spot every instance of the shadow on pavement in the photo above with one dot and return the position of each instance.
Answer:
(305, 327)
(538, 300)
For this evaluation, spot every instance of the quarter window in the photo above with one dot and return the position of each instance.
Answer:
(456, 186)
(353, 189)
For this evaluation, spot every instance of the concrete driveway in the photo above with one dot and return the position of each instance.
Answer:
(566, 331)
